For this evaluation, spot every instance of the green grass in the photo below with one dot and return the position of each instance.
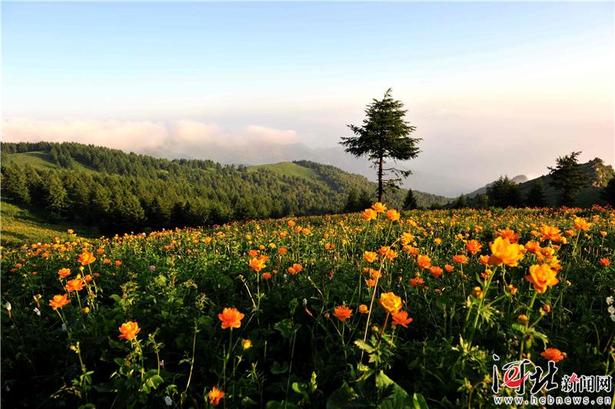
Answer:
(40, 160)
(19, 226)
(35, 159)
(288, 169)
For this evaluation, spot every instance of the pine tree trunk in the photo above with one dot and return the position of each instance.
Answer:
(380, 163)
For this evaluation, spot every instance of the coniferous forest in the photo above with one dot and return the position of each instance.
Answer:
(119, 192)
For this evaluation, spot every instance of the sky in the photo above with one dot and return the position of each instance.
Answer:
(493, 88)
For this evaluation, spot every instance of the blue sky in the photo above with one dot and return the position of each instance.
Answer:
(482, 81)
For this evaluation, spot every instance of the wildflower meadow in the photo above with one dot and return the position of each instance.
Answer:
(377, 309)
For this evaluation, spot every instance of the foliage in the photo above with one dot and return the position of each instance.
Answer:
(384, 134)
(119, 192)
(410, 201)
(567, 176)
(536, 196)
(367, 310)
(504, 193)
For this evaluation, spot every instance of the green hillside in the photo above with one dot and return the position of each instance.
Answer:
(287, 169)
(596, 175)
(23, 226)
(116, 191)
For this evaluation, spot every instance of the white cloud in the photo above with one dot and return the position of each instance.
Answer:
(143, 135)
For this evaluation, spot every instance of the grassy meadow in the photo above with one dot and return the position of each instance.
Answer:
(371, 309)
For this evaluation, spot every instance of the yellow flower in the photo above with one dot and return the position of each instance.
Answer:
(215, 395)
(390, 302)
(246, 344)
(392, 215)
(581, 224)
(86, 258)
(63, 272)
(423, 261)
(129, 330)
(379, 207)
(370, 256)
(505, 252)
(542, 277)
(369, 214)
(258, 263)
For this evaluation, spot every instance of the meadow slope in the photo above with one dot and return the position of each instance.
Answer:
(371, 309)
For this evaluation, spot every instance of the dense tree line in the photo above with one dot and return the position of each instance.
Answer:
(119, 191)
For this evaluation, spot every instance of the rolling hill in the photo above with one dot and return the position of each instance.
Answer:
(597, 175)
(117, 191)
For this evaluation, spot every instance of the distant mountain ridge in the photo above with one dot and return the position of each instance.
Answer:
(597, 175)
(517, 179)
(96, 186)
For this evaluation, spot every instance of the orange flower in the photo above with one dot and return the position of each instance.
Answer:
(436, 271)
(390, 302)
(449, 268)
(423, 261)
(460, 258)
(505, 252)
(509, 234)
(532, 246)
(295, 269)
(370, 256)
(553, 354)
(370, 282)
(605, 262)
(342, 312)
(484, 260)
(282, 251)
(369, 214)
(375, 274)
(63, 272)
(258, 263)
(379, 207)
(406, 238)
(59, 301)
(266, 276)
(392, 215)
(401, 318)
(74, 285)
(215, 395)
(363, 309)
(118, 263)
(86, 258)
(542, 277)
(388, 253)
(88, 278)
(581, 224)
(550, 233)
(129, 330)
(252, 253)
(230, 318)
(416, 281)
(473, 246)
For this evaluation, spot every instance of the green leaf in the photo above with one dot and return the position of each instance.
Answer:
(419, 402)
(364, 346)
(398, 398)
